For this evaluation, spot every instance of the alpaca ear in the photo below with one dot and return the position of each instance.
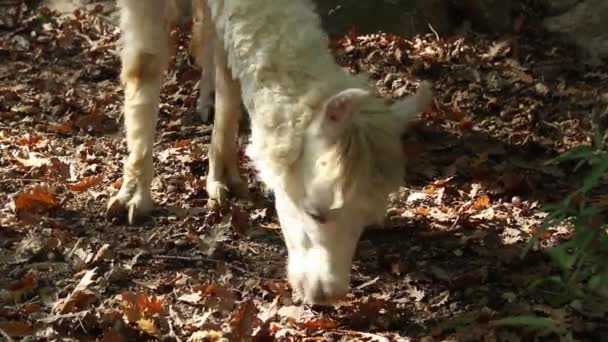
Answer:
(339, 108)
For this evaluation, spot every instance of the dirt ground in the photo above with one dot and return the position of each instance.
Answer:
(445, 266)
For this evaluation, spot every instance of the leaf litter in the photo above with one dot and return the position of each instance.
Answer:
(440, 268)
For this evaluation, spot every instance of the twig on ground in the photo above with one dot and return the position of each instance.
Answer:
(6, 336)
(434, 31)
(369, 283)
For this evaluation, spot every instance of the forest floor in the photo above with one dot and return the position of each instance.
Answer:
(446, 265)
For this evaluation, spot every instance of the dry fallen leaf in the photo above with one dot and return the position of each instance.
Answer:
(33, 159)
(423, 211)
(117, 184)
(16, 328)
(295, 312)
(30, 308)
(242, 320)
(213, 296)
(481, 202)
(38, 199)
(368, 311)
(429, 189)
(415, 293)
(320, 323)
(78, 301)
(440, 299)
(24, 286)
(138, 306)
(239, 219)
(86, 183)
(191, 298)
(30, 140)
(80, 298)
(206, 336)
(182, 143)
(62, 127)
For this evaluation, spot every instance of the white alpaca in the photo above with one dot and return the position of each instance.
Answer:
(327, 147)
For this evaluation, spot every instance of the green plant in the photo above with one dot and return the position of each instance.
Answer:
(582, 259)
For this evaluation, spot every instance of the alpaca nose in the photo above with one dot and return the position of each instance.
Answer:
(314, 288)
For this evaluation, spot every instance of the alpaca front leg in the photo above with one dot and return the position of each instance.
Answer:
(144, 56)
(202, 49)
(224, 176)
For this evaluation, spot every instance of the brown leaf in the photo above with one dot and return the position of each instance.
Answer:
(548, 233)
(131, 313)
(138, 306)
(29, 140)
(59, 169)
(103, 253)
(117, 184)
(30, 308)
(16, 329)
(481, 202)
(239, 220)
(429, 189)
(80, 298)
(182, 143)
(86, 183)
(216, 296)
(25, 285)
(78, 301)
(61, 127)
(368, 311)
(242, 320)
(33, 159)
(40, 198)
(86, 280)
(319, 323)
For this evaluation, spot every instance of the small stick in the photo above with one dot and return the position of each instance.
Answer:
(435, 32)
(6, 336)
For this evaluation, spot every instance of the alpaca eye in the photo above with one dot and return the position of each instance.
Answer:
(315, 214)
(318, 217)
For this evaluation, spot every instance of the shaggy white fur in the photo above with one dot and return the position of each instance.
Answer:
(327, 147)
